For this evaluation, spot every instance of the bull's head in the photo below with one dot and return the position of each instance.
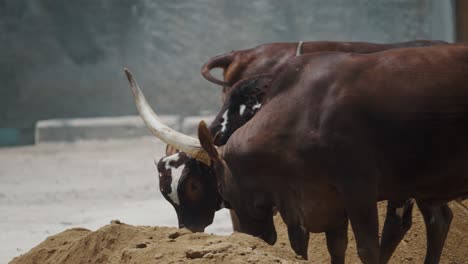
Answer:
(190, 187)
(241, 104)
(253, 209)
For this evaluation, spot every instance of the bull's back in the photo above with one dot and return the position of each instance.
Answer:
(269, 58)
(409, 108)
(363, 47)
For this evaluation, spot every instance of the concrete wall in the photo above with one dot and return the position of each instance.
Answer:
(62, 59)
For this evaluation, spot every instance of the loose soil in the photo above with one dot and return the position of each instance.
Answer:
(122, 243)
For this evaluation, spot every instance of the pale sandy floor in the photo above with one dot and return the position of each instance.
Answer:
(47, 188)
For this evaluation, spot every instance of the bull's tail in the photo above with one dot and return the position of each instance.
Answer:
(221, 61)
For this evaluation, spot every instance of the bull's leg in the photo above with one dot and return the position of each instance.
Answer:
(235, 221)
(299, 239)
(359, 196)
(397, 222)
(356, 182)
(362, 212)
(337, 241)
(437, 220)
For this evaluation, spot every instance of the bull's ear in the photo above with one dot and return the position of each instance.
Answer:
(217, 138)
(206, 140)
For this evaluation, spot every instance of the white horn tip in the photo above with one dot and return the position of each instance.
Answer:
(128, 74)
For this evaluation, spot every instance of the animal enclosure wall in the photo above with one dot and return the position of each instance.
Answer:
(65, 58)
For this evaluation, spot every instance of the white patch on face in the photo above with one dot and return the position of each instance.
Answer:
(399, 211)
(176, 173)
(432, 220)
(167, 160)
(222, 205)
(257, 106)
(225, 121)
(241, 109)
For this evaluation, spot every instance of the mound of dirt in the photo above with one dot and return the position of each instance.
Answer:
(122, 243)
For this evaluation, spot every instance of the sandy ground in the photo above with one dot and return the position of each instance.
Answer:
(48, 188)
(121, 243)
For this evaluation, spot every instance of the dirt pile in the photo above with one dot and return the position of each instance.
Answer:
(122, 243)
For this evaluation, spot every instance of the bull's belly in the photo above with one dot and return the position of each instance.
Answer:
(323, 213)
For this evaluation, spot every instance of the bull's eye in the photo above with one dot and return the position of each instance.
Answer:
(194, 190)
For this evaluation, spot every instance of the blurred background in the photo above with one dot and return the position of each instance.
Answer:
(64, 95)
(62, 59)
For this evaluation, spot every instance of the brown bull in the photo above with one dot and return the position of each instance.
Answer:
(199, 199)
(360, 129)
(263, 59)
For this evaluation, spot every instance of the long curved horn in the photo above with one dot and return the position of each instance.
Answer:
(221, 61)
(185, 143)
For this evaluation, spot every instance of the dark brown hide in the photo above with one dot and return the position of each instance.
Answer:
(243, 101)
(338, 132)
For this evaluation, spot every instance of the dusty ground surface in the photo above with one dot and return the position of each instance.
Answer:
(49, 188)
(121, 243)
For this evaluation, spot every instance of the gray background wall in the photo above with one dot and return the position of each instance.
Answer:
(65, 58)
